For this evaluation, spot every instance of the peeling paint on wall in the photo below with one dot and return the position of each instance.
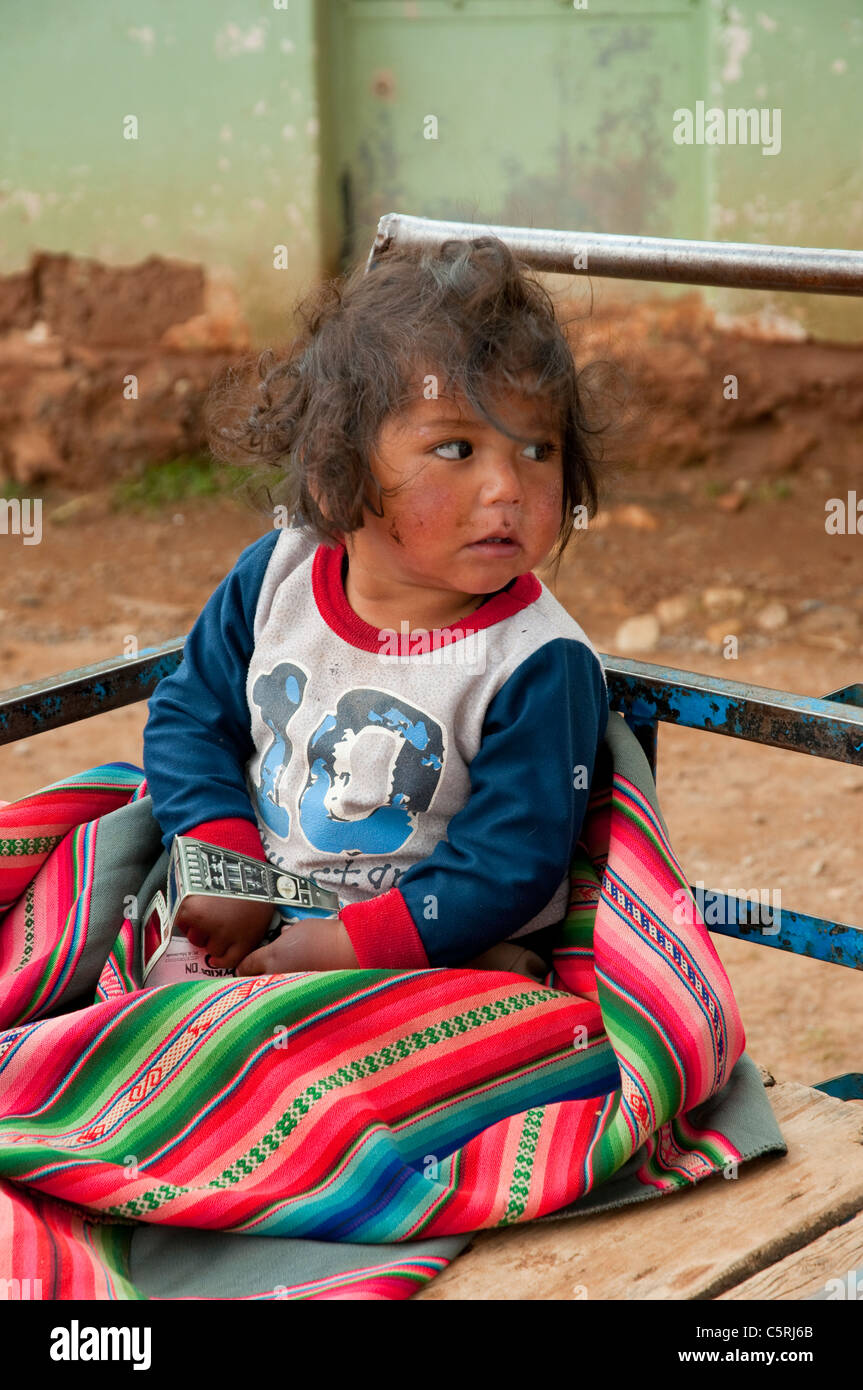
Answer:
(231, 42)
(812, 194)
(146, 37)
(738, 41)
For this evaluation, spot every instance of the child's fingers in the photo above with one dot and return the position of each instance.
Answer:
(223, 949)
(278, 957)
(228, 957)
(226, 948)
(254, 964)
(224, 928)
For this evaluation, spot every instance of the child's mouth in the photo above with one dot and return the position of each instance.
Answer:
(494, 547)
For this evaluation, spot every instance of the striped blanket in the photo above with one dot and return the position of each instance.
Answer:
(340, 1134)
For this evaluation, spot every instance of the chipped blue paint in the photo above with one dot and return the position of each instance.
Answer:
(815, 937)
(78, 694)
(646, 693)
(849, 1086)
(164, 667)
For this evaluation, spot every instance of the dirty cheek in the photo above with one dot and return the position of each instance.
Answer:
(430, 518)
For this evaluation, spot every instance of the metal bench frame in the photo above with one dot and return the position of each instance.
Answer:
(646, 694)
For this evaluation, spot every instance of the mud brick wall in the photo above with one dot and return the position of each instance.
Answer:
(748, 398)
(72, 331)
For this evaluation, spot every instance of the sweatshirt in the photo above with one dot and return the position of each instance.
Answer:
(436, 781)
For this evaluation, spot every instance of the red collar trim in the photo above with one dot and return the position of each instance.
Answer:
(337, 613)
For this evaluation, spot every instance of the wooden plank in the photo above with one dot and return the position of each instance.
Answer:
(835, 1255)
(695, 1243)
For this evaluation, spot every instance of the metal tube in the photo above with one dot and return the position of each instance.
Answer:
(797, 932)
(86, 691)
(737, 709)
(644, 692)
(740, 265)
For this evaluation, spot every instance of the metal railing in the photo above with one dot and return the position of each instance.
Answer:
(737, 264)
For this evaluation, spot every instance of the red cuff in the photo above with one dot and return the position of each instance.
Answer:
(234, 833)
(383, 934)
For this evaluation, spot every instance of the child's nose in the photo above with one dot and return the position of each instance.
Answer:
(501, 480)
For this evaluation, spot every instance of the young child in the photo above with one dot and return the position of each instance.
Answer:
(380, 694)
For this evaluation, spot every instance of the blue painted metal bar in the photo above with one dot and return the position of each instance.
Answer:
(85, 691)
(849, 1086)
(646, 692)
(848, 695)
(760, 922)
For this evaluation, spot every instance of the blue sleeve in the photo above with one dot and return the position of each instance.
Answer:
(198, 735)
(509, 847)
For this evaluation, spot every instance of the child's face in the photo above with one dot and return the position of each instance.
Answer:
(460, 480)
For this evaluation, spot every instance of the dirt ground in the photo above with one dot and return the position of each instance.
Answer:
(740, 816)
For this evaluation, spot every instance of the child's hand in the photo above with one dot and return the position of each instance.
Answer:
(317, 943)
(227, 928)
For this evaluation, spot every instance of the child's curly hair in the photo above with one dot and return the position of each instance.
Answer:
(468, 313)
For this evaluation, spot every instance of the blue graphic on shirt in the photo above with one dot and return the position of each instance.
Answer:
(374, 765)
(278, 696)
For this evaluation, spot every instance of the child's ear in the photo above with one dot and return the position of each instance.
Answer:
(317, 496)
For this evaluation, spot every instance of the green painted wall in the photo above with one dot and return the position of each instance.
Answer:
(546, 115)
(552, 115)
(806, 59)
(261, 126)
(225, 164)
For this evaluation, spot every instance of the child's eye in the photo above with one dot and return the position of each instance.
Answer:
(455, 444)
(548, 447)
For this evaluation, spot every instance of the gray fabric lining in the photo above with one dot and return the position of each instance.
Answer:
(168, 1263)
